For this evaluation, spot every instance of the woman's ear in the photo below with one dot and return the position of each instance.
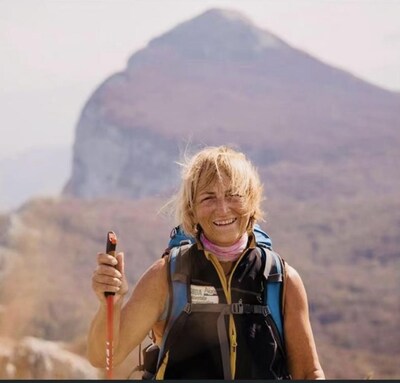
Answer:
(192, 217)
(197, 228)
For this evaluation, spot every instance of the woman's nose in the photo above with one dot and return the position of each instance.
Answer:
(222, 204)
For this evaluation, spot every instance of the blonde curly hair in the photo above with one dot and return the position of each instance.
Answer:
(212, 162)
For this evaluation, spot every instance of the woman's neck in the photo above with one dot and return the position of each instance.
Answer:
(226, 253)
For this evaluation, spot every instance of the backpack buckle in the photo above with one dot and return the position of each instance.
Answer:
(237, 308)
(188, 308)
(266, 311)
(174, 232)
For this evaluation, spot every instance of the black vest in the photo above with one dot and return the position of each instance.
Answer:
(193, 348)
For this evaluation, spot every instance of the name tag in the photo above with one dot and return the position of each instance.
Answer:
(203, 294)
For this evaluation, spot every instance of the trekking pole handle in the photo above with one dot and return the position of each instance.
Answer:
(111, 245)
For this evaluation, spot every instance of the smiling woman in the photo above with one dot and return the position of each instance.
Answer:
(221, 194)
(229, 330)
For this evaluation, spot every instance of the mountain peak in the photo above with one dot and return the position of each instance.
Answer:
(228, 14)
(217, 34)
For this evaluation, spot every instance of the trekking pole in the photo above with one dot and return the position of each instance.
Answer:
(110, 249)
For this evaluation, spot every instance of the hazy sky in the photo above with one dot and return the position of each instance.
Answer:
(55, 53)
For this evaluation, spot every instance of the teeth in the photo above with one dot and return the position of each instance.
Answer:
(225, 222)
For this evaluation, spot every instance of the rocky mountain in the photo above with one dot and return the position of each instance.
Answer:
(219, 79)
(325, 143)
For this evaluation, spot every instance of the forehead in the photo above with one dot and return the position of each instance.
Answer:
(214, 184)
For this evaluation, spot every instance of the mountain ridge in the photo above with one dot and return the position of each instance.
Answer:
(297, 108)
(207, 36)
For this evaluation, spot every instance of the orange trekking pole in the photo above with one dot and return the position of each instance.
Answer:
(110, 249)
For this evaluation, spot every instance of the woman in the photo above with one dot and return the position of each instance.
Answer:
(219, 202)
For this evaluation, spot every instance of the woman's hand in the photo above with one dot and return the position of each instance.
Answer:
(132, 320)
(109, 276)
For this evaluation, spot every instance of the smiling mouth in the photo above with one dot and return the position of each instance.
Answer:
(225, 222)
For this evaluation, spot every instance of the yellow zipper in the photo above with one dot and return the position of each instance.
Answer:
(226, 285)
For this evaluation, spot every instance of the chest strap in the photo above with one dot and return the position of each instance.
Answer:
(226, 309)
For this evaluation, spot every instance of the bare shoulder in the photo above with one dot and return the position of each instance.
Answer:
(155, 277)
(149, 295)
(292, 274)
(158, 268)
(295, 292)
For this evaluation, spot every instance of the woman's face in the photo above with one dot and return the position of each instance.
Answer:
(222, 216)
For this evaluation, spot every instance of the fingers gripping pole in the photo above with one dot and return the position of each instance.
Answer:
(110, 249)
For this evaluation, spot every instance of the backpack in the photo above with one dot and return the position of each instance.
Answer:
(179, 286)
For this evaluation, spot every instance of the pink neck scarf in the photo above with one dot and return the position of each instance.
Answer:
(226, 253)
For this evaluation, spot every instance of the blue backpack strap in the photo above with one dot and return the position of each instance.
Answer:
(273, 273)
(261, 237)
(178, 237)
(178, 275)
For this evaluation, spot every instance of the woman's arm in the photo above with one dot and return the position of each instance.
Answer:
(300, 346)
(132, 321)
